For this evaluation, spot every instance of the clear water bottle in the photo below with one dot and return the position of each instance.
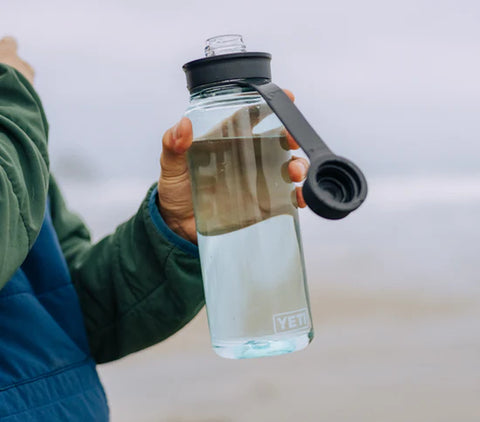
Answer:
(245, 211)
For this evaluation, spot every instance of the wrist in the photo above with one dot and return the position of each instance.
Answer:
(183, 227)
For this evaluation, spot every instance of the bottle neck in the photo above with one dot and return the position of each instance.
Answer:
(224, 44)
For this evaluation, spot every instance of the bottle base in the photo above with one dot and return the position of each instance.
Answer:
(262, 347)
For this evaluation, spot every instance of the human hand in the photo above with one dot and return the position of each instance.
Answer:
(9, 56)
(174, 189)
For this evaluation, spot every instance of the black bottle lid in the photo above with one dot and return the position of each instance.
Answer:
(227, 67)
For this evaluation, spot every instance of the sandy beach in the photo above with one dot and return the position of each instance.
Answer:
(383, 357)
(395, 297)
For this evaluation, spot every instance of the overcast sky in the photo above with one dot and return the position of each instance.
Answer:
(392, 85)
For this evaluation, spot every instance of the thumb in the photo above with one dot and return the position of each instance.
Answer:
(175, 144)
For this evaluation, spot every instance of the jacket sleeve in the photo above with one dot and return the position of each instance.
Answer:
(137, 286)
(23, 169)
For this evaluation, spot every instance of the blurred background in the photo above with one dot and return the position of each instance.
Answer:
(395, 287)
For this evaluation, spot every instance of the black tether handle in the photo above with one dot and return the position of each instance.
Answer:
(334, 186)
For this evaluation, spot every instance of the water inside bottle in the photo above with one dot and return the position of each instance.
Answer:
(249, 240)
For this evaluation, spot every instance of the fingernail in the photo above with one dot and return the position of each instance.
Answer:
(175, 132)
(284, 173)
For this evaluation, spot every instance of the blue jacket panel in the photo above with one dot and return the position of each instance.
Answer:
(46, 371)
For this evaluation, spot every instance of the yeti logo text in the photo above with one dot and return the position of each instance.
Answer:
(290, 321)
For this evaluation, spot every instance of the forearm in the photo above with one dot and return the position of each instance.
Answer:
(23, 169)
(137, 286)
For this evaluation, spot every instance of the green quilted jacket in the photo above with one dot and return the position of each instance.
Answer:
(136, 286)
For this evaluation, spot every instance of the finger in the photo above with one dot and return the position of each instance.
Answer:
(244, 120)
(175, 144)
(259, 112)
(297, 169)
(300, 200)
(241, 122)
(278, 132)
(289, 94)
(292, 144)
(286, 140)
(9, 43)
(290, 141)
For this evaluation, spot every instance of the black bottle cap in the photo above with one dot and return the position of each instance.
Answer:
(334, 186)
(227, 67)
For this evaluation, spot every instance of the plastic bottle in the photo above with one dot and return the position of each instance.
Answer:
(245, 210)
